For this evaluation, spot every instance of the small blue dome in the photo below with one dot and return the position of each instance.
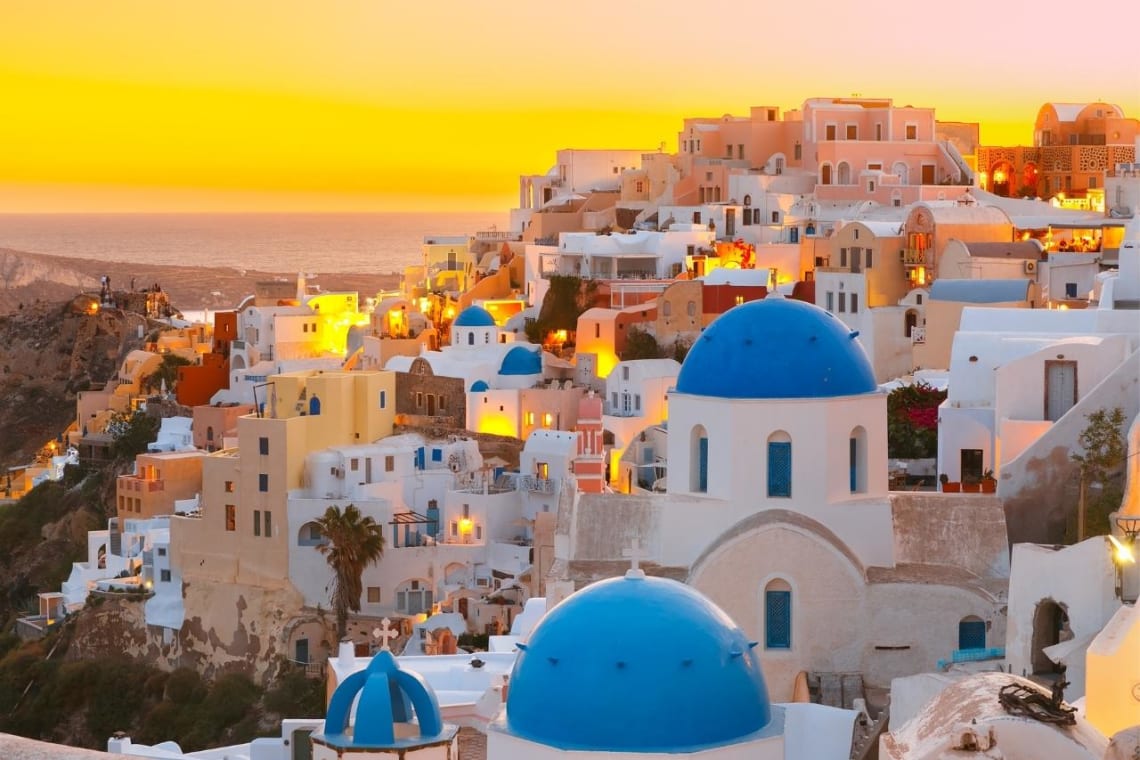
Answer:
(776, 348)
(637, 664)
(474, 316)
(385, 696)
(521, 361)
(479, 386)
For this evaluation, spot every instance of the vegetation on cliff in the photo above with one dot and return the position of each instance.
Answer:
(44, 695)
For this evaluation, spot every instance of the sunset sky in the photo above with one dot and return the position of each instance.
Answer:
(378, 105)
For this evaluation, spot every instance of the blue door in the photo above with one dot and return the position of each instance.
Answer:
(314, 406)
(794, 232)
(972, 634)
(420, 458)
(854, 459)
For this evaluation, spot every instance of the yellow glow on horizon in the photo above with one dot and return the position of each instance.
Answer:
(132, 105)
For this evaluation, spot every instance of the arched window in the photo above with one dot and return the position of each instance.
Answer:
(315, 405)
(310, 535)
(691, 308)
(844, 174)
(210, 433)
(857, 460)
(825, 174)
(971, 633)
(902, 171)
(699, 460)
(779, 465)
(667, 308)
(778, 615)
(471, 338)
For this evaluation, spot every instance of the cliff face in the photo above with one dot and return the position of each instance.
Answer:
(49, 351)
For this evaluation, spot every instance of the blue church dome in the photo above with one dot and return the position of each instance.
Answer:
(474, 316)
(385, 696)
(521, 361)
(637, 664)
(480, 386)
(776, 348)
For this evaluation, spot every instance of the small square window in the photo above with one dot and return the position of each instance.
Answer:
(911, 132)
(374, 595)
(164, 576)
(229, 486)
(354, 464)
(389, 463)
(162, 551)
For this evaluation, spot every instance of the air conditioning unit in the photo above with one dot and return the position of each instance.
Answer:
(1030, 266)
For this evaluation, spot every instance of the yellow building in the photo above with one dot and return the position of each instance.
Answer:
(240, 534)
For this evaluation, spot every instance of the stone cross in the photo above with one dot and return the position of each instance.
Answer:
(635, 556)
(387, 633)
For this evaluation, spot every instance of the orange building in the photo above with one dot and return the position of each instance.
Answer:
(198, 383)
(161, 479)
(1074, 145)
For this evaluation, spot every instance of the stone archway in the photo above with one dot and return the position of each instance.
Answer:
(1050, 626)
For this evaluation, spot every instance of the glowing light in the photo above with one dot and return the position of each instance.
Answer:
(1122, 553)
(465, 525)
(547, 420)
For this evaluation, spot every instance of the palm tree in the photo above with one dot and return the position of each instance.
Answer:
(354, 541)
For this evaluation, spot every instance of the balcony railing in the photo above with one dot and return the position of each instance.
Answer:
(913, 257)
(538, 485)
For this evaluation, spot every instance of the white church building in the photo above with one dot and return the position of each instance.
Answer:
(777, 509)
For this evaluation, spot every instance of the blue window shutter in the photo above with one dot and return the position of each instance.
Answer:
(314, 406)
(972, 634)
(780, 468)
(703, 480)
(854, 459)
(437, 455)
(778, 619)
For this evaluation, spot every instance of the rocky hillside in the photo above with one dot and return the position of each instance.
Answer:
(48, 353)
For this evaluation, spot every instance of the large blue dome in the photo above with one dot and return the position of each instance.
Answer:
(637, 664)
(474, 316)
(776, 348)
(521, 361)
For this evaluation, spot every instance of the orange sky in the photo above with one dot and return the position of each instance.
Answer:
(150, 105)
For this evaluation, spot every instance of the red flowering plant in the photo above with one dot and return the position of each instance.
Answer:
(912, 421)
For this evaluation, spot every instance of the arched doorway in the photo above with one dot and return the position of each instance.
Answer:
(1000, 176)
(902, 171)
(911, 321)
(1050, 626)
(1029, 181)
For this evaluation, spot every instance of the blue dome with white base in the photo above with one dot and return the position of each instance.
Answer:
(637, 664)
(776, 348)
(521, 361)
(474, 316)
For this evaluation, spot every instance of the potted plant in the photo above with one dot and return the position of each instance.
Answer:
(947, 486)
(989, 482)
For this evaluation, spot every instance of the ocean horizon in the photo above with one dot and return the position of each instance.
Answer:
(376, 243)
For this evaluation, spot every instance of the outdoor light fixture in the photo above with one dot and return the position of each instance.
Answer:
(1124, 554)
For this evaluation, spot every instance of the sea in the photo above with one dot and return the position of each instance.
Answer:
(376, 243)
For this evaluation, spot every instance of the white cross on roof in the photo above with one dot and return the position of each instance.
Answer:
(635, 555)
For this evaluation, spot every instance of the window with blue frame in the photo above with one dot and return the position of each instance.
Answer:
(699, 480)
(778, 615)
(779, 469)
(972, 633)
(437, 455)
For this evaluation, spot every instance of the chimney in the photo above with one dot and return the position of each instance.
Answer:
(346, 655)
